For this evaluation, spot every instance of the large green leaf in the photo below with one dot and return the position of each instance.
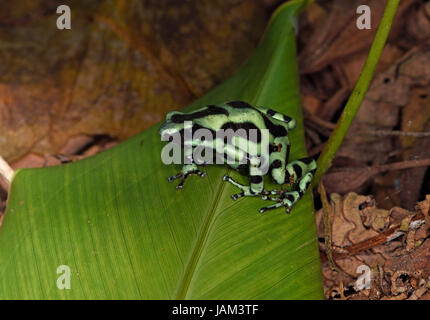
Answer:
(125, 232)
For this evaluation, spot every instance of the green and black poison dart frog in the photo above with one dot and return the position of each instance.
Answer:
(241, 115)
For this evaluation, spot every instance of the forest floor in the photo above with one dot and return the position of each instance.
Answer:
(377, 211)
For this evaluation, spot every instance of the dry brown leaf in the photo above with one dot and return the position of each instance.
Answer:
(424, 206)
(418, 22)
(389, 92)
(338, 37)
(418, 259)
(120, 68)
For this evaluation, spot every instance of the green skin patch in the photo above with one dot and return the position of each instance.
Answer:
(241, 115)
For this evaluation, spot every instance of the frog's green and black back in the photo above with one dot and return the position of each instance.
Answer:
(241, 116)
(230, 115)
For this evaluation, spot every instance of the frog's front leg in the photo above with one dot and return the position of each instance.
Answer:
(187, 170)
(246, 190)
(256, 182)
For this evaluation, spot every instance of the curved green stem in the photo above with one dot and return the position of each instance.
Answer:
(357, 96)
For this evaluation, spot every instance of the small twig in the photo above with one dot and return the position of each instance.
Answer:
(403, 165)
(317, 120)
(313, 136)
(342, 290)
(397, 133)
(6, 172)
(315, 150)
(327, 209)
(386, 236)
(372, 171)
(318, 128)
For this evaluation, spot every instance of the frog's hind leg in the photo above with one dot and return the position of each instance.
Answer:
(287, 200)
(279, 203)
(301, 173)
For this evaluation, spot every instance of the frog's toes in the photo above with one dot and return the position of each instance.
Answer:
(185, 176)
(264, 194)
(273, 206)
(201, 173)
(238, 195)
(276, 192)
(279, 203)
(270, 198)
(173, 178)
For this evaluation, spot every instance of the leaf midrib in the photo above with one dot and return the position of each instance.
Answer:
(198, 248)
(203, 234)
